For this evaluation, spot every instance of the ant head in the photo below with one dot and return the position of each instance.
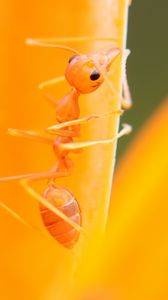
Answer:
(86, 72)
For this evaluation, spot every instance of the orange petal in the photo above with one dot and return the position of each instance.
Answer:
(135, 265)
(34, 267)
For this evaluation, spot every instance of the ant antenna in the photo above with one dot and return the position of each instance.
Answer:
(32, 42)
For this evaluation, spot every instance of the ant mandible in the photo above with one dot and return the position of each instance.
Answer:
(85, 73)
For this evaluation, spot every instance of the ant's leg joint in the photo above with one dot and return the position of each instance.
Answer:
(53, 129)
(74, 146)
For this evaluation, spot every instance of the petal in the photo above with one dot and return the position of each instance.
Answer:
(135, 263)
(32, 266)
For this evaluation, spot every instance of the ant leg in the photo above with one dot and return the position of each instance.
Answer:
(45, 202)
(126, 101)
(30, 134)
(51, 82)
(37, 176)
(53, 129)
(25, 179)
(15, 215)
(74, 146)
(51, 100)
(21, 220)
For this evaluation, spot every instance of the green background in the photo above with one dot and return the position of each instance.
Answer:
(147, 67)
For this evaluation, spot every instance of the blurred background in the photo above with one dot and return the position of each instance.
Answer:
(147, 66)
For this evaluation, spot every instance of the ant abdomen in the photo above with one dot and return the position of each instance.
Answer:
(59, 229)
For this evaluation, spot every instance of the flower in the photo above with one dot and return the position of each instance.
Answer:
(133, 262)
(34, 266)
(137, 249)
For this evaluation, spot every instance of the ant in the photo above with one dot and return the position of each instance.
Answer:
(85, 73)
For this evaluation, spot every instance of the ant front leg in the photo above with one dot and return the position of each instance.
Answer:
(126, 100)
(53, 129)
(81, 145)
(31, 135)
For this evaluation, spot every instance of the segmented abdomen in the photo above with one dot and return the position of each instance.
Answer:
(61, 231)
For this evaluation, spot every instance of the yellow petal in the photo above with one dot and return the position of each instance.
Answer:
(135, 264)
(33, 266)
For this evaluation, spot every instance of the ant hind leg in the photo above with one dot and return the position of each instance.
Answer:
(20, 219)
(14, 214)
(36, 176)
(50, 206)
(24, 181)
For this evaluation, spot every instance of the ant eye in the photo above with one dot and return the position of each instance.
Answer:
(95, 75)
(72, 57)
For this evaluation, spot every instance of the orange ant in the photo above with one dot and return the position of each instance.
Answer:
(85, 73)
